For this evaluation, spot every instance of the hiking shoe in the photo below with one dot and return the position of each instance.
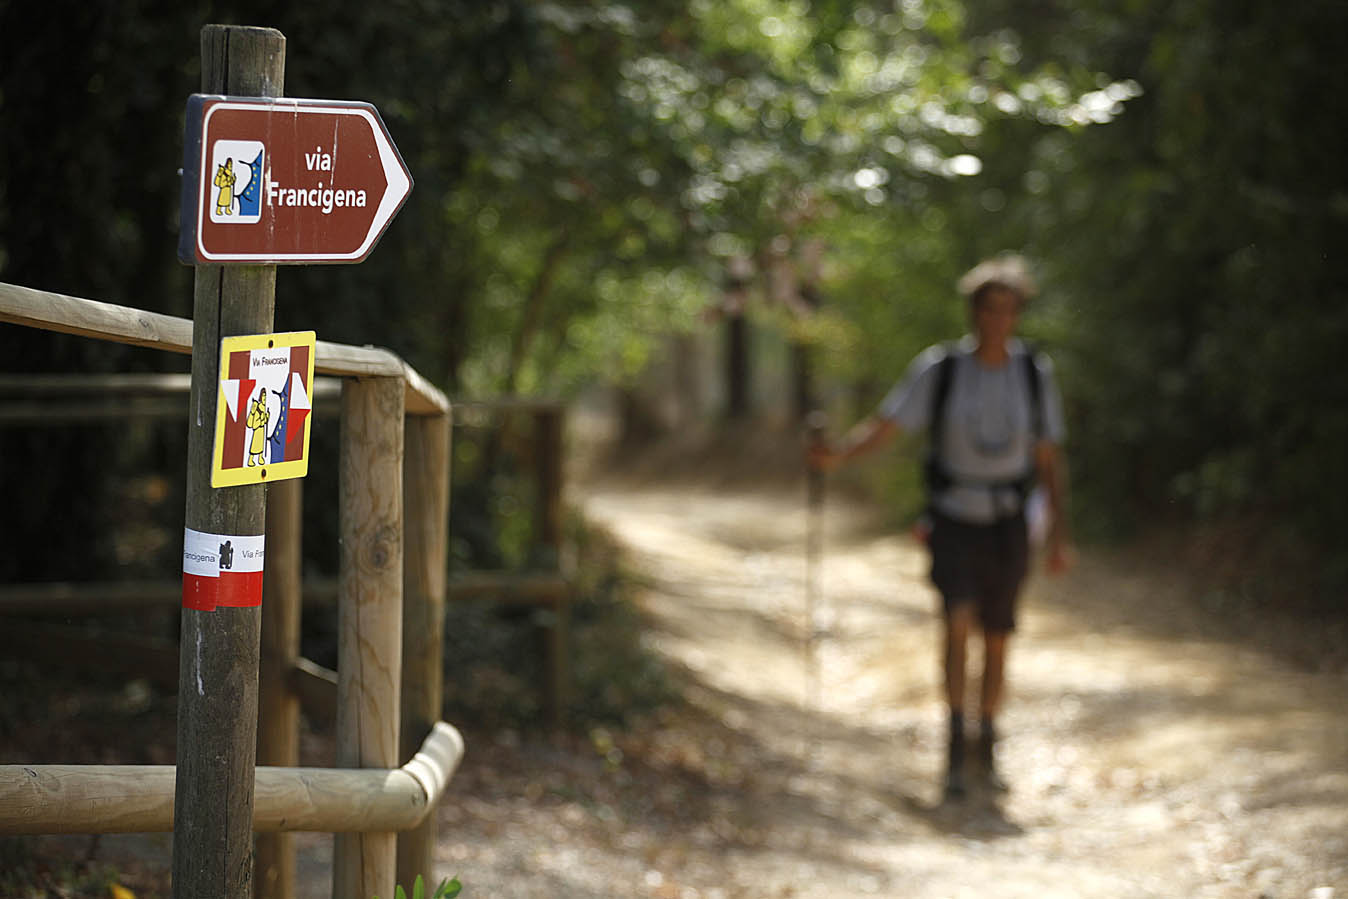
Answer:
(955, 787)
(986, 759)
(954, 777)
(993, 781)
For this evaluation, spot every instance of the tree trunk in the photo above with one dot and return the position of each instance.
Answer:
(737, 366)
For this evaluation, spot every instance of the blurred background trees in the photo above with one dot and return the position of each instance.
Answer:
(599, 182)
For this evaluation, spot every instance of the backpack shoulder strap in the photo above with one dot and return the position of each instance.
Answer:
(945, 371)
(934, 472)
(1035, 380)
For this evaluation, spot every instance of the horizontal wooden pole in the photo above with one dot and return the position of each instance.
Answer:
(502, 404)
(49, 385)
(316, 688)
(422, 397)
(508, 587)
(63, 648)
(39, 400)
(153, 658)
(118, 385)
(89, 597)
(124, 324)
(90, 318)
(63, 413)
(48, 799)
(94, 597)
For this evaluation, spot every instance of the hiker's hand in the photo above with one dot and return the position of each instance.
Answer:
(822, 457)
(1061, 556)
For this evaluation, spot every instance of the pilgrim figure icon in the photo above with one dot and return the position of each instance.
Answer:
(258, 416)
(239, 184)
(225, 179)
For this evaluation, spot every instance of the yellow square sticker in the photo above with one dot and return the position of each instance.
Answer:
(263, 408)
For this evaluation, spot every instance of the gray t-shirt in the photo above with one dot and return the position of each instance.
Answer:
(987, 435)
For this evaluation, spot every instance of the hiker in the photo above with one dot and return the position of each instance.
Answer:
(993, 415)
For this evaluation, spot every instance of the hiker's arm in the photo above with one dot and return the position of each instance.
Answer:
(1053, 475)
(867, 435)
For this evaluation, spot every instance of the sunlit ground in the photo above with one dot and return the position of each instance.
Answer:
(1154, 747)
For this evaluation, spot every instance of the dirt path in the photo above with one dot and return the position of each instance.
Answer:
(1148, 756)
(1158, 743)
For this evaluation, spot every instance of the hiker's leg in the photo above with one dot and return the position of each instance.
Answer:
(994, 673)
(952, 574)
(959, 620)
(1003, 578)
(998, 618)
(951, 544)
(994, 687)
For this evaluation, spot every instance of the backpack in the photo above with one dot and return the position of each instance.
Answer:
(936, 476)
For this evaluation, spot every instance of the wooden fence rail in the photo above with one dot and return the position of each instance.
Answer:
(139, 798)
(379, 393)
(548, 582)
(137, 327)
(63, 400)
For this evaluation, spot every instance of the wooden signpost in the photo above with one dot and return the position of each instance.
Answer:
(266, 182)
(218, 658)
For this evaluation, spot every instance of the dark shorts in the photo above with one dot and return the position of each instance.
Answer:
(981, 563)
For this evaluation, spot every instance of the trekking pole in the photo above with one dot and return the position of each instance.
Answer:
(816, 424)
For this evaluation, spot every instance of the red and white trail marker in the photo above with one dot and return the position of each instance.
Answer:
(222, 570)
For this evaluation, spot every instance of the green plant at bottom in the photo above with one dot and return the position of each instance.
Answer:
(448, 889)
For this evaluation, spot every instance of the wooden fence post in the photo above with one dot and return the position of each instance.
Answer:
(278, 736)
(548, 475)
(218, 661)
(369, 589)
(426, 513)
(548, 526)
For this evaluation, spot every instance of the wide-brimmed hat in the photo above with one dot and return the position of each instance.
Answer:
(1007, 270)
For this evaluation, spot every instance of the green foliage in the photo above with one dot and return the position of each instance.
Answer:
(587, 174)
(1208, 304)
(26, 872)
(448, 889)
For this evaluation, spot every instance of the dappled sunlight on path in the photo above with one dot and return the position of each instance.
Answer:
(1146, 758)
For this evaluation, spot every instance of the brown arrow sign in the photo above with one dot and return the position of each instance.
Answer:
(286, 181)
